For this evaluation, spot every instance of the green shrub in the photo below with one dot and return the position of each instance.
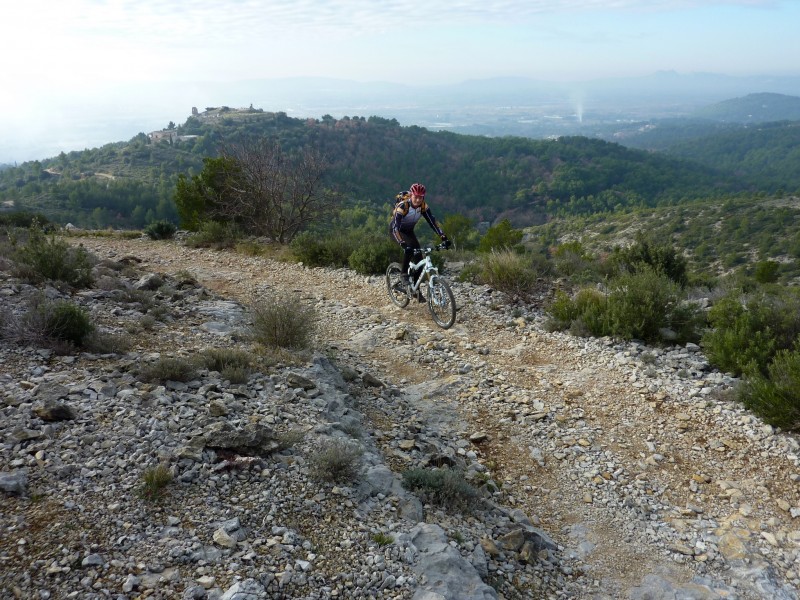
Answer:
(233, 365)
(250, 248)
(588, 307)
(68, 322)
(500, 237)
(510, 272)
(372, 257)
(23, 219)
(571, 259)
(382, 539)
(160, 230)
(168, 369)
(57, 324)
(284, 322)
(766, 271)
(637, 305)
(775, 397)
(102, 342)
(335, 461)
(155, 482)
(461, 230)
(289, 439)
(445, 487)
(661, 258)
(316, 250)
(215, 234)
(747, 330)
(45, 258)
(641, 303)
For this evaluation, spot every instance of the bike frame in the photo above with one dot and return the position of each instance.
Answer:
(427, 269)
(441, 301)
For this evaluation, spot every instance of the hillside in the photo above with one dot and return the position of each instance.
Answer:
(370, 160)
(618, 470)
(753, 108)
(717, 236)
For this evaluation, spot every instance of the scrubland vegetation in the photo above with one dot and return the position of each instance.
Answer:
(747, 321)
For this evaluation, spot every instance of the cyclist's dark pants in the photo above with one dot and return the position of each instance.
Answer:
(412, 242)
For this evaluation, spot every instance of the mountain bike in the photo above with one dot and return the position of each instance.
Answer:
(437, 290)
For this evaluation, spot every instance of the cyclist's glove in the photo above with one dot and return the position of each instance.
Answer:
(446, 242)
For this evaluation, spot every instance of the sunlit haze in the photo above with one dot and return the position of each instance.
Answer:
(76, 57)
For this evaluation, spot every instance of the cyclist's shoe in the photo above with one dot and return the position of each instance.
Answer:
(420, 297)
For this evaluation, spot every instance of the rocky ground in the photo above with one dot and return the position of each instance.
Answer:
(607, 470)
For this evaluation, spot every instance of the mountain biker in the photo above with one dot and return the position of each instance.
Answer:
(409, 207)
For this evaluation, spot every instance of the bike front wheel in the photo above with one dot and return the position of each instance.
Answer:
(441, 302)
(396, 286)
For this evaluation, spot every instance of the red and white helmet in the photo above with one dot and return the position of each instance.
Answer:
(418, 189)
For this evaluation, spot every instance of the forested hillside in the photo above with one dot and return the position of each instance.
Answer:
(767, 154)
(753, 108)
(717, 236)
(131, 184)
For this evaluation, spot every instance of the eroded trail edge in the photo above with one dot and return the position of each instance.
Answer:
(627, 456)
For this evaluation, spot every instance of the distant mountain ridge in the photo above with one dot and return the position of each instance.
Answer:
(753, 108)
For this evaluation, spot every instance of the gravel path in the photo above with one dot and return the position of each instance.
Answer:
(652, 484)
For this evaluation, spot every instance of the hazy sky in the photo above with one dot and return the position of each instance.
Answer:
(56, 50)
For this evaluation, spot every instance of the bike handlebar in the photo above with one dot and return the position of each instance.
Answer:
(429, 249)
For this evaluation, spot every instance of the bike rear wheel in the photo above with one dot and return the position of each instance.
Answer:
(441, 302)
(395, 285)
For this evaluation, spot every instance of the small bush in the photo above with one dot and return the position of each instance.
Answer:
(336, 461)
(315, 250)
(775, 397)
(284, 322)
(45, 258)
(289, 439)
(57, 324)
(250, 248)
(640, 305)
(136, 296)
(106, 343)
(155, 482)
(444, 487)
(570, 259)
(382, 539)
(500, 237)
(767, 271)
(661, 258)
(23, 219)
(749, 329)
(68, 322)
(168, 369)
(160, 230)
(511, 273)
(233, 365)
(588, 307)
(214, 234)
(372, 257)
(147, 322)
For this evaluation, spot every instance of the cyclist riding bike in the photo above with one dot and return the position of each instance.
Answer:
(409, 207)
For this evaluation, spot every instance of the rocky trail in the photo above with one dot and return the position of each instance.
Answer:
(629, 458)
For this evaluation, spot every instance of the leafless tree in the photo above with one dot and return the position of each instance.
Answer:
(271, 192)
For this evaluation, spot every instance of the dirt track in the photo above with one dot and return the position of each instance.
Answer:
(576, 439)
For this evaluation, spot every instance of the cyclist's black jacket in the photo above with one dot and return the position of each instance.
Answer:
(405, 217)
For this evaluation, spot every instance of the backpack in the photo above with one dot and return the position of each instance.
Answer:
(396, 201)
